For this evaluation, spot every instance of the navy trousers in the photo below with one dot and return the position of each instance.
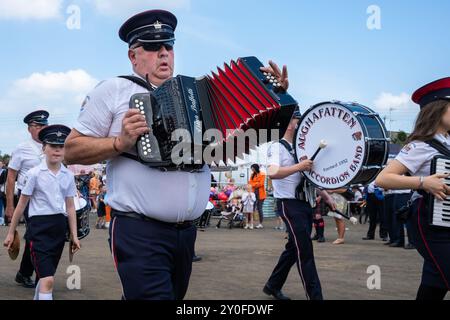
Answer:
(433, 245)
(153, 259)
(375, 208)
(297, 215)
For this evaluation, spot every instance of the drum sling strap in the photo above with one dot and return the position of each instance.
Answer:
(146, 85)
(304, 191)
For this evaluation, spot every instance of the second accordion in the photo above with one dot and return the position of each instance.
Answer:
(237, 98)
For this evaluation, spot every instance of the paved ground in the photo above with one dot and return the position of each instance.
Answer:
(236, 263)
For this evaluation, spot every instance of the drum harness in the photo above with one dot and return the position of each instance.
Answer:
(304, 191)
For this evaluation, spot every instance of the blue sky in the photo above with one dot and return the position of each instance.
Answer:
(327, 46)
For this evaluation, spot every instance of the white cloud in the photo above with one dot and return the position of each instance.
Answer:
(54, 85)
(386, 101)
(60, 93)
(26, 9)
(127, 8)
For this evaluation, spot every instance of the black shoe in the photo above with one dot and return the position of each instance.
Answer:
(385, 239)
(388, 243)
(321, 240)
(368, 238)
(196, 259)
(409, 246)
(277, 294)
(396, 245)
(24, 281)
(315, 238)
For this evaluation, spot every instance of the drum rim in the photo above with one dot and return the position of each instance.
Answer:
(367, 143)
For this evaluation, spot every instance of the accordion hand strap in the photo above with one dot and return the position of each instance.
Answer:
(146, 85)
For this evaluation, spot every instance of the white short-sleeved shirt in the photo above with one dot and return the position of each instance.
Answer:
(417, 156)
(49, 191)
(26, 156)
(278, 155)
(132, 187)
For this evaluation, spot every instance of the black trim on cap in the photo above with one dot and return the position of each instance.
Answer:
(156, 35)
(443, 94)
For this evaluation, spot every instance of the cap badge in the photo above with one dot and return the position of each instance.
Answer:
(59, 134)
(157, 25)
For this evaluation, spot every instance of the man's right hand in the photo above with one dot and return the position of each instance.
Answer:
(9, 240)
(133, 126)
(305, 165)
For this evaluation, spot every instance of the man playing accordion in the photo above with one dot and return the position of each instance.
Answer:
(151, 234)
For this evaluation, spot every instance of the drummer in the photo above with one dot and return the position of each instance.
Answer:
(49, 187)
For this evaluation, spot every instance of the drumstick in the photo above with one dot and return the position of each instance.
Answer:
(323, 145)
(336, 212)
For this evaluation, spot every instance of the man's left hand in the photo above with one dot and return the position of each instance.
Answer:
(282, 76)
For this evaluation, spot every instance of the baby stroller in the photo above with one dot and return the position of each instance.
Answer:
(233, 215)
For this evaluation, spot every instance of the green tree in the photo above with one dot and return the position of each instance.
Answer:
(401, 138)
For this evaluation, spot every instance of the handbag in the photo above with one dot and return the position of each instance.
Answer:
(404, 213)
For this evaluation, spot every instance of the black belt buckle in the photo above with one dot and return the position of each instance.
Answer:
(183, 225)
(134, 215)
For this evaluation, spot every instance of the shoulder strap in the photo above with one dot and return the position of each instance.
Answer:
(138, 81)
(439, 146)
(289, 148)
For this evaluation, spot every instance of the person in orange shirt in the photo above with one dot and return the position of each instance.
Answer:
(94, 190)
(257, 181)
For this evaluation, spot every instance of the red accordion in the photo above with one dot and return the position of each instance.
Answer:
(237, 98)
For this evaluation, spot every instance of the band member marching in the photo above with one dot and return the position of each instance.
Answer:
(296, 214)
(26, 156)
(433, 243)
(49, 187)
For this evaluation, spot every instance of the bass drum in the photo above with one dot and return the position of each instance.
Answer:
(357, 144)
(82, 216)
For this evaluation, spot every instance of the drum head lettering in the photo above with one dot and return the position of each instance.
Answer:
(343, 157)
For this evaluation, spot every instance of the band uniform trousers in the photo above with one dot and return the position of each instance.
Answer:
(433, 244)
(375, 208)
(153, 259)
(297, 215)
(47, 236)
(26, 266)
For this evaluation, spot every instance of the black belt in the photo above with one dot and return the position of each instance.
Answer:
(138, 216)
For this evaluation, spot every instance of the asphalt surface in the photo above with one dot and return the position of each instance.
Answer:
(236, 264)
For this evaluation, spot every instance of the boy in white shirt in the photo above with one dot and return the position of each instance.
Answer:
(49, 187)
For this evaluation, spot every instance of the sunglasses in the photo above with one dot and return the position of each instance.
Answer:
(154, 47)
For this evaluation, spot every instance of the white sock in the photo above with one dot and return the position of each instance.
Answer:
(45, 296)
(36, 291)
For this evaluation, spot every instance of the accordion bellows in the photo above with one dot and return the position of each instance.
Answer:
(237, 98)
